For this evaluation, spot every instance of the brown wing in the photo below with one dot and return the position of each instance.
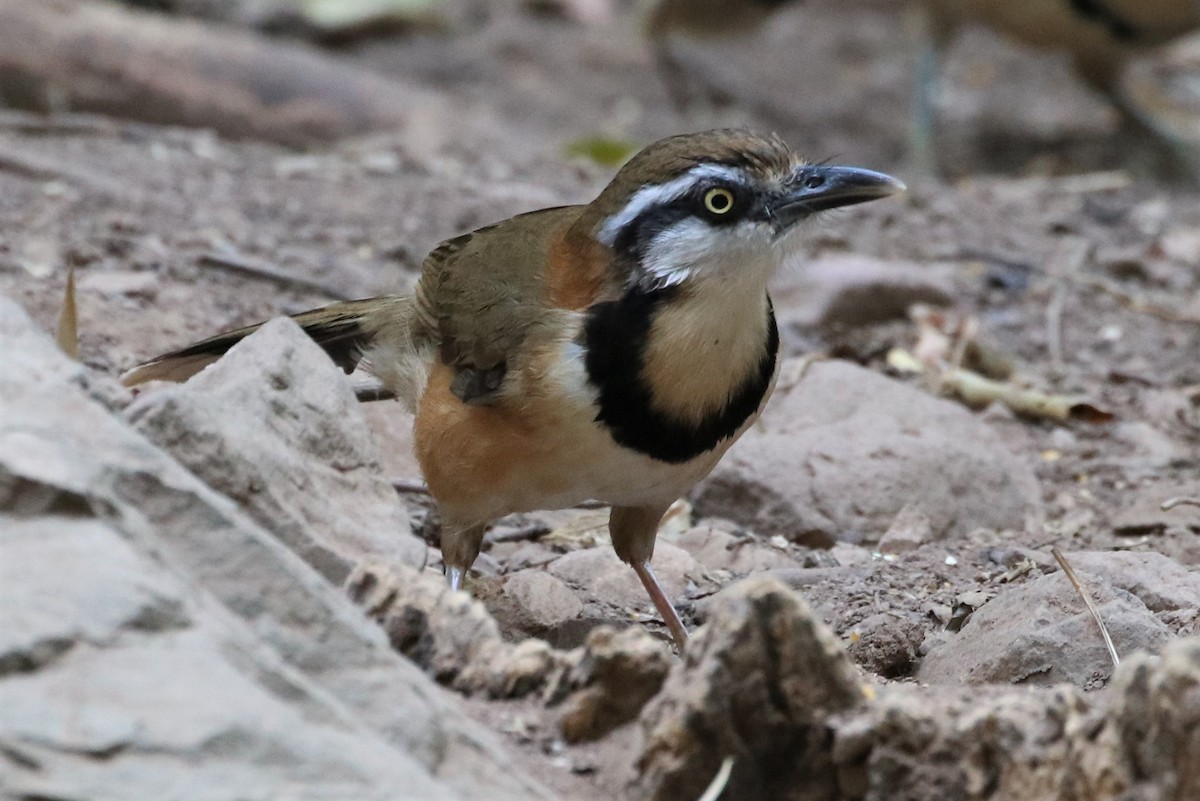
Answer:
(481, 294)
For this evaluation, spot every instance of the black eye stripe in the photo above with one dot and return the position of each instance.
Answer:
(634, 238)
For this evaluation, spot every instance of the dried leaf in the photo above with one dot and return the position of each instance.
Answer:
(975, 390)
(67, 333)
(602, 150)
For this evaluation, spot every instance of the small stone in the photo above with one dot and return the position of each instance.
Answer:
(601, 577)
(616, 675)
(1145, 515)
(716, 549)
(886, 645)
(541, 603)
(759, 681)
(909, 531)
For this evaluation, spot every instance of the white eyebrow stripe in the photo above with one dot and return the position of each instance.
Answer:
(656, 194)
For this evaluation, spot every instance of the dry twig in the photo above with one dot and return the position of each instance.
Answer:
(409, 486)
(1070, 574)
(1054, 327)
(717, 785)
(1171, 503)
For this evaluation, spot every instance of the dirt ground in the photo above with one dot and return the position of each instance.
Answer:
(1049, 220)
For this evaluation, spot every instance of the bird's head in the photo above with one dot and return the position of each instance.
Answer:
(718, 205)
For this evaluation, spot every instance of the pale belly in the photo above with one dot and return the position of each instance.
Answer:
(588, 465)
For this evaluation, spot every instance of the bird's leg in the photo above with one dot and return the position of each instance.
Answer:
(633, 531)
(662, 603)
(460, 547)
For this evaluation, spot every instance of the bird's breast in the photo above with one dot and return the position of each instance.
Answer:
(676, 376)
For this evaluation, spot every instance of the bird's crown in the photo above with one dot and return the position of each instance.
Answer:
(759, 156)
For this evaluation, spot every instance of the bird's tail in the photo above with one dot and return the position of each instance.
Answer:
(379, 332)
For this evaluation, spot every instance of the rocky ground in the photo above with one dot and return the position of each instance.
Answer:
(216, 590)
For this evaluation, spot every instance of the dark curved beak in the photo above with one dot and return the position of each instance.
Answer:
(816, 187)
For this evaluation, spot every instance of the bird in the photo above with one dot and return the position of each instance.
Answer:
(610, 351)
(1100, 36)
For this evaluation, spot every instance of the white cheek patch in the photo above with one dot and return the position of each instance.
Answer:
(660, 194)
(694, 249)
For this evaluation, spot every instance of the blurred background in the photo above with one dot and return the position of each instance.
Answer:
(189, 166)
(952, 88)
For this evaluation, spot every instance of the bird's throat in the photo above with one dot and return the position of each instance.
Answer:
(673, 379)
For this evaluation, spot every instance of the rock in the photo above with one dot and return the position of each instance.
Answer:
(451, 636)
(909, 531)
(1153, 725)
(739, 555)
(298, 456)
(1152, 451)
(886, 645)
(1167, 588)
(146, 67)
(837, 456)
(616, 675)
(758, 683)
(1137, 742)
(101, 586)
(538, 604)
(391, 428)
(162, 638)
(1041, 633)
(146, 681)
(600, 577)
(845, 291)
(1145, 515)
(917, 744)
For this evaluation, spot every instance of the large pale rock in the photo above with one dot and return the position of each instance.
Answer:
(155, 641)
(275, 426)
(1041, 632)
(124, 681)
(838, 455)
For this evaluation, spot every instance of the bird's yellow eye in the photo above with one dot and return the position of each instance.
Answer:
(718, 201)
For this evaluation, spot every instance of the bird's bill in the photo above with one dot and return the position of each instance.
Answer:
(814, 188)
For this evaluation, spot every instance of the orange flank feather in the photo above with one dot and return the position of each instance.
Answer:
(577, 270)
